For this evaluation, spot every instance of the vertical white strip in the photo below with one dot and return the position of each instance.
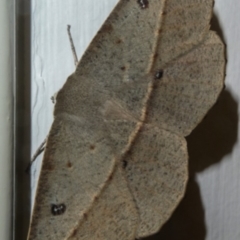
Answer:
(6, 109)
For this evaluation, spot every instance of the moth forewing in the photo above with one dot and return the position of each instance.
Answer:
(146, 80)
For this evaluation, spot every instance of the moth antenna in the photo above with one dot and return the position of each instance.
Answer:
(75, 58)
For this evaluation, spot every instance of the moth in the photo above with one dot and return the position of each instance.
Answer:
(116, 163)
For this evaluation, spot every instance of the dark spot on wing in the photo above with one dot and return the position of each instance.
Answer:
(155, 56)
(69, 164)
(119, 41)
(58, 209)
(159, 74)
(92, 147)
(110, 177)
(124, 164)
(123, 68)
(143, 3)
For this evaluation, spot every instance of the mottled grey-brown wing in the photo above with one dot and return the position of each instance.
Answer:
(189, 87)
(184, 24)
(84, 143)
(96, 123)
(113, 215)
(156, 170)
(191, 61)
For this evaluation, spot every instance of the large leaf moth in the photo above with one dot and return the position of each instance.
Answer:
(115, 164)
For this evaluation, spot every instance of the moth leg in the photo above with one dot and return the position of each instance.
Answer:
(41, 147)
(53, 98)
(72, 45)
(39, 150)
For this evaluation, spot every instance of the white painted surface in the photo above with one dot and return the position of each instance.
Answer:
(6, 118)
(217, 174)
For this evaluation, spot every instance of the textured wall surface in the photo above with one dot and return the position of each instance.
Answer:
(211, 207)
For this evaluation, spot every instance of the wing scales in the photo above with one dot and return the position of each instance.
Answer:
(98, 122)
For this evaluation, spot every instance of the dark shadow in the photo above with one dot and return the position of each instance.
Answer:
(213, 139)
(187, 222)
(215, 26)
(215, 136)
(21, 207)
